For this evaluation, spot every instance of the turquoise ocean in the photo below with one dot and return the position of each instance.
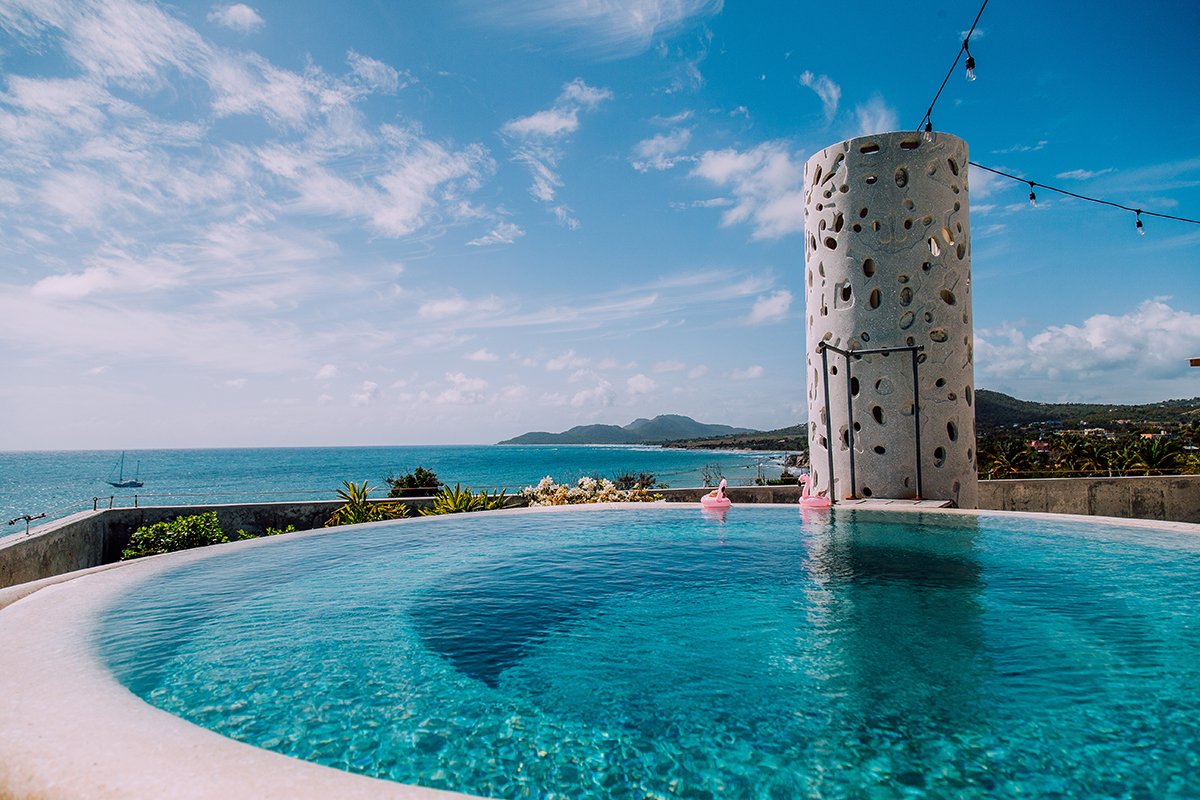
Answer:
(58, 483)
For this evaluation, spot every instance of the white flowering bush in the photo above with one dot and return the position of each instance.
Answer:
(587, 490)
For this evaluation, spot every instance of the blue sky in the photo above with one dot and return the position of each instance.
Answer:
(303, 223)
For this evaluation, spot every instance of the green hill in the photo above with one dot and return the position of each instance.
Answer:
(640, 431)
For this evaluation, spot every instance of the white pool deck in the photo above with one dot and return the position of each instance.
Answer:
(69, 729)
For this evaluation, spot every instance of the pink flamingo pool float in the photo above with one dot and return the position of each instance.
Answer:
(716, 498)
(812, 500)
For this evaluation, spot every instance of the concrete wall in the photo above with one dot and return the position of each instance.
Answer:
(92, 538)
(1175, 498)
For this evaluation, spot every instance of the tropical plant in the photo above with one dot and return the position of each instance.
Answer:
(242, 534)
(1006, 458)
(459, 500)
(181, 533)
(636, 480)
(1157, 456)
(359, 508)
(419, 478)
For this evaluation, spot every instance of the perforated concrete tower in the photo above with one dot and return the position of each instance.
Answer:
(888, 268)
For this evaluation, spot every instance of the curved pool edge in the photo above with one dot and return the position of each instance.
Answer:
(69, 729)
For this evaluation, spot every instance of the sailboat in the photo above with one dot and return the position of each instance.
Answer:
(120, 482)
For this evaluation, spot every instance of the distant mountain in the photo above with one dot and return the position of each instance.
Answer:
(641, 431)
(997, 410)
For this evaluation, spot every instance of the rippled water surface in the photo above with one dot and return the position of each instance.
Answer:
(657, 652)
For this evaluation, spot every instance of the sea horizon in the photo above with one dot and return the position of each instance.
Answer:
(61, 482)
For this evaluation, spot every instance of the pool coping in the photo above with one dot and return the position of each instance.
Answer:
(69, 729)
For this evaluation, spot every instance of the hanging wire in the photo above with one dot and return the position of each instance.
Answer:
(1137, 211)
(928, 118)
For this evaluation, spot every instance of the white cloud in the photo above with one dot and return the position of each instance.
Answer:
(1097, 353)
(326, 373)
(1022, 148)
(568, 360)
(662, 151)
(766, 183)
(503, 233)
(601, 394)
(829, 92)
(537, 142)
(375, 75)
(100, 370)
(747, 374)
(236, 383)
(456, 306)
(614, 28)
(670, 366)
(238, 17)
(875, 116)
(640, 384)
(1084, 174)
(367, 393)
(771, 308)
(482, 354)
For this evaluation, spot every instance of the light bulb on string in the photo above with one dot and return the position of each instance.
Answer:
(1141, 229)
(928, 134)
(1032, 196)
(970, 63)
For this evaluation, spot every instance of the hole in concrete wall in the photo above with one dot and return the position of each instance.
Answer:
(910, 144)
(968, 395)
(957, 205)
(845, 438)
(868, 147)
(833, 369)
(854, 387)
(866, 491)
(952, 431)
(901, 279)
(884, 386)
(847, 291)
(953, 165)
(831, 242)
(816, 175)
(820, 206)
(821, 268)
(880, 449)
(821, 225)
(928, 316)
(824, 310)
(875, 299)
(951, 396)
(932, 169)
(866, 337)
(812, 242)
(926, 267)
(970, 456)
(966, 320)
(906, 482)
(856, 228)
(857, 427)
(960, 251)
(862, 213)
(869, 267)
(838, 222)
(828, 335)
(940, 382)
(875, 225)
(906, 320)
(901, 177)
(823, 442)
(906, 295)
(877, 413)
(947, 236)
(908, 204)
(907, 224)
(907, 410)
(956, 487)
(948, 297)
(939, 456)
(938, 335)
(922, 358)
(909, 341)
(810, 281)
(935, 250)
(870, 180)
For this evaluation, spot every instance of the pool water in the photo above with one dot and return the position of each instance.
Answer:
(660, 652)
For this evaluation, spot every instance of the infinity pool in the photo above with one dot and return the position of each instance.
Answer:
(658, 652)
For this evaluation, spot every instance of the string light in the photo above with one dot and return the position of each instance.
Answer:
(927, 135)
(1137, 212)
(957, 57)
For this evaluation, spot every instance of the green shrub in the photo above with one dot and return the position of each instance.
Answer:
(459, 500)
(419, 478)
(242, 535)
(358, 507)
(181, 533)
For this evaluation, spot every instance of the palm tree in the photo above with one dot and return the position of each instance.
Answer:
(1157, 456)
(1007, 457)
